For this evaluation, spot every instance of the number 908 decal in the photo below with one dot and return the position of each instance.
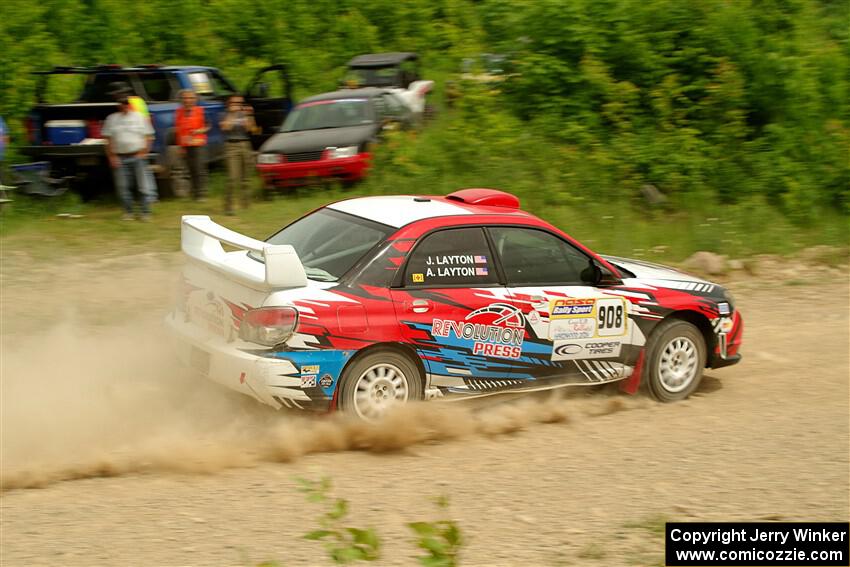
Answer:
(611, 317)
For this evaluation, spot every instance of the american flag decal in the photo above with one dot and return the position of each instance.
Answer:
(481, 260)
(481, 271)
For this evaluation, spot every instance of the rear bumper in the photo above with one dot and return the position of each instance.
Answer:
(272, 381)
(299, 173)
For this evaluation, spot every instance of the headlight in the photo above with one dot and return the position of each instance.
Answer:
(343, 152)
(728, 306)
(268, 159)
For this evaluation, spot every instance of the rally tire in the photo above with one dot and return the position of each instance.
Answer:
(377, 381)
(676, 356)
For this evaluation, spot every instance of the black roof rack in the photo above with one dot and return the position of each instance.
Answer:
(381, 59)
(63, 69)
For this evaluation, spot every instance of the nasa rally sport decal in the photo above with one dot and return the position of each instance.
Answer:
(586, 348)
(495, 330)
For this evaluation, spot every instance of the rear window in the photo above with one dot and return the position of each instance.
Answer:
(323, 114)
(98, 87)
(158, 86)
(329, 242)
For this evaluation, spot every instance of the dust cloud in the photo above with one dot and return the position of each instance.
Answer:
(82, 399)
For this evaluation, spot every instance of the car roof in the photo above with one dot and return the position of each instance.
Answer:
(382, 59)
(366, 92)
(108, 69)
(400, 210)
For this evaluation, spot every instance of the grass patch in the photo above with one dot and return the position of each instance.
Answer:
(34, 230)
(652, 524)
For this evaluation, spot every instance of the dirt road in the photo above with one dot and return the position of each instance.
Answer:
(170, 471)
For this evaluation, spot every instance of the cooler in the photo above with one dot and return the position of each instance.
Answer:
(64, 132)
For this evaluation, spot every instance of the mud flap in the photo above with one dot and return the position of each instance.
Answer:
(631, 384)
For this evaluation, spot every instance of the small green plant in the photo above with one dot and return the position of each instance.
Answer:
(441, 540)
(343, 544)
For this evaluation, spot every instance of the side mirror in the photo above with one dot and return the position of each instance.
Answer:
(592, 274)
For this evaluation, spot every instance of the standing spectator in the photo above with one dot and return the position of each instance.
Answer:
(192, 138)
(4, 141)
(137, 104)
(128, 140)
(238, 125)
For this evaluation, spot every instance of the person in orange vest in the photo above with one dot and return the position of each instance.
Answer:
(192, 129)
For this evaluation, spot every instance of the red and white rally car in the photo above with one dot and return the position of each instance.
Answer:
(376, 301)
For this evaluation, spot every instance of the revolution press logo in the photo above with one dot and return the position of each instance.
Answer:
(495, 330)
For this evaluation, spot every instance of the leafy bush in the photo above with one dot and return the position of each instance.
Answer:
(343, 544)
(441, 540)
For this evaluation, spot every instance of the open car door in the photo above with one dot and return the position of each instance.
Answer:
(270, 93)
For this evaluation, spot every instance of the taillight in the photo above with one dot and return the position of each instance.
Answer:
(30, 128)
(93, 128)
(268, 326)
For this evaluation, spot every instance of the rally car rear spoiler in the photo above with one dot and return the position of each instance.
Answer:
(202, 239)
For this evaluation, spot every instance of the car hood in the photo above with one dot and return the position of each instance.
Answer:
(311, 140)
(658, 275)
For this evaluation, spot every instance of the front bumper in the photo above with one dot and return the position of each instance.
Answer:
(728, 341)
(302, 172)
(719, 362)
(273, 381)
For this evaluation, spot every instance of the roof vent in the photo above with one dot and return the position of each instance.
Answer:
(485, 197)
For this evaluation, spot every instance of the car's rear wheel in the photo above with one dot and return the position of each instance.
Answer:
(676, 358)
(378, 381)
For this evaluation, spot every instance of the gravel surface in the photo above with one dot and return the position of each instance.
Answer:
(764, 440)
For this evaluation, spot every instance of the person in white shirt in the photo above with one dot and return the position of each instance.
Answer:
(129, 136)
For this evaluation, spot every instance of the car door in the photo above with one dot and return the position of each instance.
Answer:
(581, 332)
(453, 311)
(270, 93)
(397, 115)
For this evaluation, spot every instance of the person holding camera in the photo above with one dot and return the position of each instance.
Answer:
(238, 124)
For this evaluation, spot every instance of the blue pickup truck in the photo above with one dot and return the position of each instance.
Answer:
(68, 136)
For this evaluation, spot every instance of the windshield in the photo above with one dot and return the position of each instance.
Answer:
(371, 77)
(328, 114)
(329, 242)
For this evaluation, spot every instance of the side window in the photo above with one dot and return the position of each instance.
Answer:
(533, 257)
(380, 109)
(201, 83)
(221, 87)
(452, 257)
(268, 84)
(409, 72)
(158, 86)
(394, 107)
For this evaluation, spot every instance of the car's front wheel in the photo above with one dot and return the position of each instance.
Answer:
(675, 360)
(375, 383)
